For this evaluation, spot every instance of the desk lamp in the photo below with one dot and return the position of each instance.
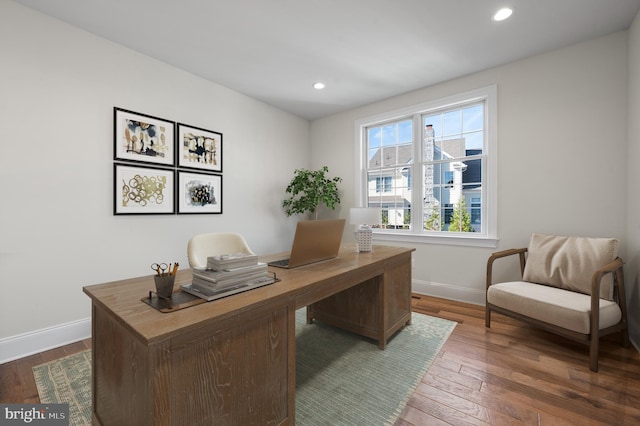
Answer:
(363, 217)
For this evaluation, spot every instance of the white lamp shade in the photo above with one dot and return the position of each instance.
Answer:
(364, 216)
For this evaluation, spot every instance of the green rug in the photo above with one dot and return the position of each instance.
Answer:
(341, 378)
(67, 380)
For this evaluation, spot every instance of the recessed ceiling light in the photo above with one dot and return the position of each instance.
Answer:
(502, 14)
(319, 85)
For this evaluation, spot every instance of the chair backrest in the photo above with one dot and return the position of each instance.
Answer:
(201, 246)
(569, 262)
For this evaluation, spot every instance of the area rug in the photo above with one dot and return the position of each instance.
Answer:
(341, 378)
(67, 380)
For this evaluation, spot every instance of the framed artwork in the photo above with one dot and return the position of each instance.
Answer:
(199, 193)
(143, 190)
(143, 138)
(199, 148)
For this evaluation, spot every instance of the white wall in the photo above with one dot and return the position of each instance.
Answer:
(562, 141)
(563, 123)
(58, 87)
(632, 270)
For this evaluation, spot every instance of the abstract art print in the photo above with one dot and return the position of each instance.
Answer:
(199, 148)
(143, 190)
(199, 193)
(143, 138)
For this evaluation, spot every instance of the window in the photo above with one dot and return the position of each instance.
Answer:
(383, 184)
(450, 146)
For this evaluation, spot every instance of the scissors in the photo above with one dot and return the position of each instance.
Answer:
(160, 268)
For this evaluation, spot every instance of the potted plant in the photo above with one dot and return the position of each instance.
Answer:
(309, 189)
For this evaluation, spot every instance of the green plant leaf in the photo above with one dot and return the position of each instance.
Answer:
(309, 189)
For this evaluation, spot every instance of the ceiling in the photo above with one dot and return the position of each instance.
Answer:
(363, 50)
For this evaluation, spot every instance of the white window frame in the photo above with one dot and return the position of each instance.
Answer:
(489, 235)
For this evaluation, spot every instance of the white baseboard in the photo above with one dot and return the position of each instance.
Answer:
(15, 347)
(449, 291)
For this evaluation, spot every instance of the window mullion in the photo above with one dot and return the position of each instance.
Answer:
(416, 169)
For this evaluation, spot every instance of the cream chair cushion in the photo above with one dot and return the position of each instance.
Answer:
(201, 246)
(564, 308)
(569, 262)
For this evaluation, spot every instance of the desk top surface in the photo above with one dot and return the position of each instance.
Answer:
(297, 287)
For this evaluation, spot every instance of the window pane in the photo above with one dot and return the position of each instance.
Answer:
(389, 156)
(475, 208)
(375, 158)
(432, 217)
(472, 118)
(472, 174)
(435, 121)
(405, 131)
(474, 142)
(374, 137)
(452, 121)
(374, 183)
(389, 135)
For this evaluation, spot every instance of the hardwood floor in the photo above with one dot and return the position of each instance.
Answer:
(509, 374)
(17, 384)
(513, 373)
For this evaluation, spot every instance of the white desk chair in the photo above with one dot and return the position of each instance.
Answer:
(202, 246)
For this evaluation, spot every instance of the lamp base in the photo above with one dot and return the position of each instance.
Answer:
(363, 238)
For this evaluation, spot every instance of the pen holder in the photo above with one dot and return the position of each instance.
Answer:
(164, 285)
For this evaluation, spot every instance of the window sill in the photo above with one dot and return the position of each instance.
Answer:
(452, 240)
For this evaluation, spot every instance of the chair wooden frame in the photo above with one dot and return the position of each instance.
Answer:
(592, 339)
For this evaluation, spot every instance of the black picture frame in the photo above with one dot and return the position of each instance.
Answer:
(199, 148)
(143, 138)
(139, 189)
(199, 193)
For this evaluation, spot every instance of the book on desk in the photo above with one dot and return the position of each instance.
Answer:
(228, 274)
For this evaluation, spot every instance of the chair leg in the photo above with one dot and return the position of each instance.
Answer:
(593, 354)
(487, 317)
(625, 338)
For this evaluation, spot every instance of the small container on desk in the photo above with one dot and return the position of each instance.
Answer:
(164, 285)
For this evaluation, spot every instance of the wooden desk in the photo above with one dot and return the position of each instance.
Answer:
(232, 361)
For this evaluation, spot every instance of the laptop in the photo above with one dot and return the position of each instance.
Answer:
(315, 240)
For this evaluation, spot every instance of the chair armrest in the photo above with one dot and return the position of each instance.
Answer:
(505, 253)
(614, 266)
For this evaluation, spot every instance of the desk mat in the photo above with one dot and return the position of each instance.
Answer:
(179, 300)
(182, 299)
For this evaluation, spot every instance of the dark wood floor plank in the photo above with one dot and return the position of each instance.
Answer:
(443, 412)
(514, 412)
(462, 404)
(437, 370)
(10, 383)
(411, 416)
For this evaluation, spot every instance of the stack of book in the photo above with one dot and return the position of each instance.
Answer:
(229, 274)
(231, 261)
